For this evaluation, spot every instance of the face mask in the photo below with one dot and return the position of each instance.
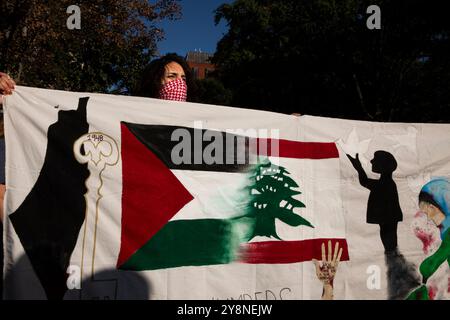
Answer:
(175, 90)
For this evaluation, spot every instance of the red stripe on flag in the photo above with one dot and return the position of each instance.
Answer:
(276, 252)
(297, 149)
(151, 195)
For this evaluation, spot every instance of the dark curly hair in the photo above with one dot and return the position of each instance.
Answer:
(150, 82)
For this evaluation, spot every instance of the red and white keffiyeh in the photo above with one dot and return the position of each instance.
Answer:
(175, 90)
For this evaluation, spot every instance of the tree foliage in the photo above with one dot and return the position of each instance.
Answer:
(117, 38)
(318, 57)
(211, 91)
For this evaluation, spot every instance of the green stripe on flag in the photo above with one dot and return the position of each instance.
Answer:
(190, 243)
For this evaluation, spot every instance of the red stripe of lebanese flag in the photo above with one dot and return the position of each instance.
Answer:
(297, 149)
(271, 252)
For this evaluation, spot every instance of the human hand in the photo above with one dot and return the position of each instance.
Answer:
(7, 85)
(326, 270)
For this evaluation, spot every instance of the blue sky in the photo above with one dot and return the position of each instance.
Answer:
(195, 30)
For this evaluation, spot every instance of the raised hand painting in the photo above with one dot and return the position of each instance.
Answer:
(327, 268)
(434, 201)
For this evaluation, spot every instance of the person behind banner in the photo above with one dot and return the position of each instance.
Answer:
(7, 86)
(167, 78)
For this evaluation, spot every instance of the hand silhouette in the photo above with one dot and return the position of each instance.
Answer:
(355, 161)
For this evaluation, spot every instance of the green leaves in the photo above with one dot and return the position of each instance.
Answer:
(319, 58)
(117, 39)
(271, 194)
(292, 219)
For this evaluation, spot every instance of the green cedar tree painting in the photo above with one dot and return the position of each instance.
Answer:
(271, 197)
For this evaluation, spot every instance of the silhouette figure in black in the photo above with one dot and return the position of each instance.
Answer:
(383, 207)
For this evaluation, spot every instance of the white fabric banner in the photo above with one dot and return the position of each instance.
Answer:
(115, 197)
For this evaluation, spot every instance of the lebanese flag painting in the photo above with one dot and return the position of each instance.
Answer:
(199, 213)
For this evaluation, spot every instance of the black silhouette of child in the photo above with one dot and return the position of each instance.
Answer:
(383, 207)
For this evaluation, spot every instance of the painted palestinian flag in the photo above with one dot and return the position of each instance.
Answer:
(180, 208)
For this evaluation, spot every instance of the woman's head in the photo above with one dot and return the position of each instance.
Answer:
(169, 78)
(434, 201)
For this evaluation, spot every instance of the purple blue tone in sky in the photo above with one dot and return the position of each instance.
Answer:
(195, 30)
